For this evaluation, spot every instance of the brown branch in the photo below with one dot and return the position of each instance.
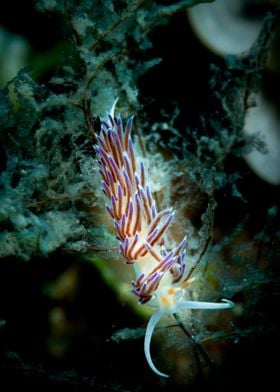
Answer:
(208, 222)
(89, 118)
(197, 347)
(90, 249)
(196, 264)
(59, 199)
(90, 78)
(257, 55)
(127, 14)
(159, 12)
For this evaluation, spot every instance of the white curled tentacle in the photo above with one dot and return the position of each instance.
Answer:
(148, 337)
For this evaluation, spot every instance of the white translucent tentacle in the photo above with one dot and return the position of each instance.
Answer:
(147, 342)
(225, 304)
(112, 110)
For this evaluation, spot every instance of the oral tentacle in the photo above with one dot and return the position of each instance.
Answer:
(225, 304)
(147, 342)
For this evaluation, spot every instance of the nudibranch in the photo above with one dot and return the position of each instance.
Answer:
(160, 272)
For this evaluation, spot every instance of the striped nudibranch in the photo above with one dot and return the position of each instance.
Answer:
(140, 227)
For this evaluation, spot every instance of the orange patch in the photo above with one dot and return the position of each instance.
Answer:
(187, 282)
(173, 290)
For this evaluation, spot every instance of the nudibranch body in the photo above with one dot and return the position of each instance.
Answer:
(141, 228)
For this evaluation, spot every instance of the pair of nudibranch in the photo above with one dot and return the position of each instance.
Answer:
(160, 273)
